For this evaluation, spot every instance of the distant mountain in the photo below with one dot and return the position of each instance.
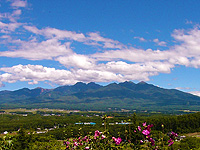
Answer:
(91, 96)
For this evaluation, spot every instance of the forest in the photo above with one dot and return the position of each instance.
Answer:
(98, 130)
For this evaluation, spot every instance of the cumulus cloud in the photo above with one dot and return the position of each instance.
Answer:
(189, 46)
(77, 61)
(35, 73)
(160, 43)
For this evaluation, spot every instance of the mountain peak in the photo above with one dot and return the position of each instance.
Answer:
(79, 83)
(38, 88)
(142, 82)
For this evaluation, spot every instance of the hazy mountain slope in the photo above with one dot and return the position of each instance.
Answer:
(126, 95)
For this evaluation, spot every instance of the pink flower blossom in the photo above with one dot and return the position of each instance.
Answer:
(80, 144)
(97, 133)
(118, 141)
(145, 132)
(144, 124)
(151, 141)
(139, 128)
(85, 138)
(114, 139)
(149, 127)
(172, 142)
(103, 137)
(66, 143)
(169, 140)
(75, 144)
(87, 147)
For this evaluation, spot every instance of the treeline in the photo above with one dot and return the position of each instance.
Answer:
(180, 123)
(177, 123)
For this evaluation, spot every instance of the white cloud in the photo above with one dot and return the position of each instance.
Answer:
(160, 43)
(91, 39)
(77, 61)
(107, 43)
(34, 50)
(8, 27)
(19, 3)
(56, 33)
(183, 88)
(35, 73)
(197, 93)
(189, 46)
(140, 38)
(134, 55)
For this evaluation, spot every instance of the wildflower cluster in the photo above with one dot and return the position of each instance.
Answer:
(96, 141)
(172, 136)
(101, 140)
(146, 131)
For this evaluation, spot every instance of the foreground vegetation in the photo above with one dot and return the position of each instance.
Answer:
(97, 130)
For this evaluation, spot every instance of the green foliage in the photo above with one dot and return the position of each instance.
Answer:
(190, 143)
(6, 143)
(22, 140)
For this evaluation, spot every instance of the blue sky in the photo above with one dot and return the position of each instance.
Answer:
(52, 43)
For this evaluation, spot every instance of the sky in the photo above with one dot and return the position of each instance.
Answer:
(54, 43)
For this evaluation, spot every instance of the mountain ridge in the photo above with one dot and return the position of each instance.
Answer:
(92, 96)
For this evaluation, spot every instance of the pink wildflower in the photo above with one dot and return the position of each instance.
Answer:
(145, 132)
(85, 138)
(144, 124)
(75, 144)
(103, 137)
(169, 140)
(87, 147)
(151, 141)
(139, 128)
(172, 142)
(80, 144)
(114, 139)
(172, 138)
(67, 142)
(97, 133)
(118, 141)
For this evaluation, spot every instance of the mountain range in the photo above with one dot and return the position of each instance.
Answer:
(115, 96)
